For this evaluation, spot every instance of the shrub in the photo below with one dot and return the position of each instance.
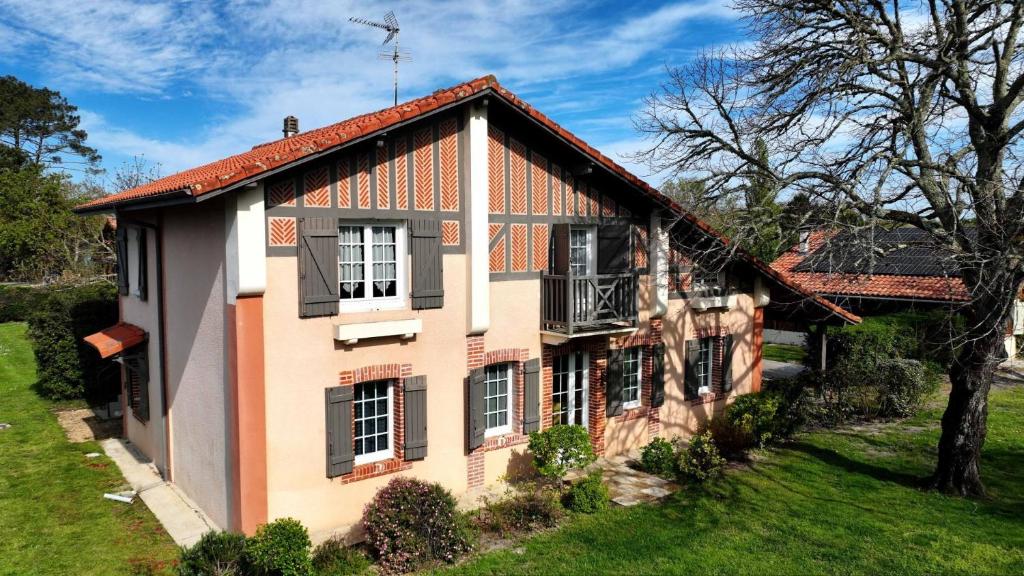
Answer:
(701, 461)
(732, 441)
(588, 494)
(17, 303)
(559, 449)
(523, 507)
(793, 407)
(410, 522)
(903, 387)
(215, 554)
(333, 558)
(659, 457)
(280, 548)
(757, 414)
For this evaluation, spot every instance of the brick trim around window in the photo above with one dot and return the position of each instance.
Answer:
(397, 373)
(717, 334)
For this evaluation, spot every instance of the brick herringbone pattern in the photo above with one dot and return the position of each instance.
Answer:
(363, 180)
(593, 201)
(317, 191)
(497, 253)
(449, 151)
(540, 247)
(383, 179)
(570, 195)
(495, 170)
(519, 248)
(640, 257)
(450, 232)
(517, 176)
(608, 207)
(282, 193)
(282, 231)
(539, 183)
(401, 175)
(423, 157)
(557, 190)
(344, 183)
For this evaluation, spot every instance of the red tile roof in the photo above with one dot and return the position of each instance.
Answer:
(945, 289)
(117, 338)
(265, 157)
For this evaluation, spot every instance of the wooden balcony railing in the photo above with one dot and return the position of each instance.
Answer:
(576, 304)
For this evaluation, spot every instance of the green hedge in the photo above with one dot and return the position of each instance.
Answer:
(918, 335)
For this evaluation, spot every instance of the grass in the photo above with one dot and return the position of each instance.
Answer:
(839, 502)
(784, 353)
(53, 518)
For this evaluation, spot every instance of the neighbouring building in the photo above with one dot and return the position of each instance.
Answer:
(413, 291)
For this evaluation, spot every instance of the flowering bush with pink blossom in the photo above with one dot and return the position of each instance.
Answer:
(410, 523)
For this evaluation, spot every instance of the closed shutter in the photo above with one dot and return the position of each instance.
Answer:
(122, 260)
(340, 450)
(560, 249)
(143, 255)
(477, 417)
(415, 418)
(613, 248)
(657, 375)
(136, 367)
(613, 382)
(691, 385)
(427, 273)
(727, 343)
(531, 396)
(318, 267)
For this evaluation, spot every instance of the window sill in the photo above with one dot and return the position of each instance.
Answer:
(504, 441)
(703, 303)
(707, 398)
(374, 458)
(353, 333)
(375, 469)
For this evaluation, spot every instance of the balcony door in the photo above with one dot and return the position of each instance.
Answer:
(569, 389)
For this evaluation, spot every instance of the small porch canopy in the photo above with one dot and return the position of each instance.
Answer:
(116, 339)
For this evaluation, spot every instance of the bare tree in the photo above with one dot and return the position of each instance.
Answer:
(907, 115)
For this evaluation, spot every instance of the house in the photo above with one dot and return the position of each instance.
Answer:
(882, 271)
(413, 291)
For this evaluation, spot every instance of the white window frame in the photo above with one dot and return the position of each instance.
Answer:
(388, 452)
(571, 384)
(639, 377)
(707, 357)
(509, 376)
(368, 302)
(589, 231)
(132, 255)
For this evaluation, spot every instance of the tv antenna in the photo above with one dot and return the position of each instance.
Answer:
(389, 25)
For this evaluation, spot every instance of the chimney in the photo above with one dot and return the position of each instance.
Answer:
(291, 126)
(805, 241)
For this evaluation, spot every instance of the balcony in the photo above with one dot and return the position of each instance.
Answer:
(575, 306)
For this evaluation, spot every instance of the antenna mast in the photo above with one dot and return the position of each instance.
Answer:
(389, 25)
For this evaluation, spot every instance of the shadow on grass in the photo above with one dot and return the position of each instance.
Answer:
(882, 473)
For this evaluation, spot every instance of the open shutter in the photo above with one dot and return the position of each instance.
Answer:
(657, 375)
(122, 260)
(560, 249)
(531, 396)
(613, 248)
(340, 451)
(727, 343)
(136, 365)
(415, 418)
(143, 255)
(318, 267)
(691, 385)
(613, 382)
(427, 274)
(477, 418)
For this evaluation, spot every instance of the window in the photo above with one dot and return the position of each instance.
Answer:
(579, 251)
(704, 279)
(370, 274)
(372, 410)
(136, 374)
(569, 389)
(498, 399)
(632, 368)
(704, 365)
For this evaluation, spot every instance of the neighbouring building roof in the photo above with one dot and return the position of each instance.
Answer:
(898, 264)
(234, 171)
(116, 339)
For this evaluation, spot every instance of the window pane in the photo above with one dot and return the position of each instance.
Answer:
(496, 395)
(372, 416)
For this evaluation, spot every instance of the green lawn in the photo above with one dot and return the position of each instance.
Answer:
(53, 518)
(784, 353)
(841, 502)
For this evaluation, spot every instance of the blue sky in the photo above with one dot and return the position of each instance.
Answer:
(187, 83)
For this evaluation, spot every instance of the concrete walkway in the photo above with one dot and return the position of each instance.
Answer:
(182, 519)
(773, 369)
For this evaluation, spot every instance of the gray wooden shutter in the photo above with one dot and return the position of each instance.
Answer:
(613, 382)
(613, 248)
(560, 243)
(657, 375)
(415, 418)
(477, 417)
(136, 364)
(340, 450)
(122, 259)
(318, 267)
(691, 386)
(143, 255)
(427, 272)
(727, 342)
(531, 396)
